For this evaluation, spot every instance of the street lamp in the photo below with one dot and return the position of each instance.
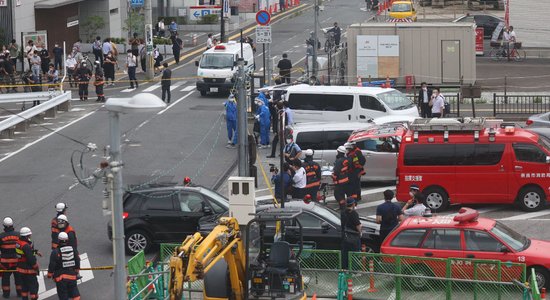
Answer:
(143, 102)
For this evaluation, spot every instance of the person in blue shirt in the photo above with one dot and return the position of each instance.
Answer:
(58, 57)
(388, 215)
(291, 151)
(173, 27)
(231, 120)
(284, 178)
(264, 117)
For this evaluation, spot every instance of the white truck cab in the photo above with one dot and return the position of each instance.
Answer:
(218, 65)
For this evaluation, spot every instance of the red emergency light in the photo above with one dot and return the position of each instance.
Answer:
(219, 47)
(466, 215)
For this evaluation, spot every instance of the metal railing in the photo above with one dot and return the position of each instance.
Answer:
(520, 104)
(452, 99)
(50, 106)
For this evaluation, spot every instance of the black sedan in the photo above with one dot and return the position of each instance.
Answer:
(165, 213)
(488, 22)
(320, 226)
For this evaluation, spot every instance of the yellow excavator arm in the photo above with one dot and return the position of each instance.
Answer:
(197, 255)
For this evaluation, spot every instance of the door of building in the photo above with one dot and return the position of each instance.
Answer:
(450, 61)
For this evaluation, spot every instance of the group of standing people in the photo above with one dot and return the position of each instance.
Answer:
(431, 102)
(19, 257)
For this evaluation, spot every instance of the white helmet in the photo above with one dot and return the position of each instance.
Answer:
(63, 236)
(60, 207)
(25, 231)
(349, 145)
(309, 152)
(342, 149)
(8, 222)
(62, 218)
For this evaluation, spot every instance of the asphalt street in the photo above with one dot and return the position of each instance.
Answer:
(186, 139)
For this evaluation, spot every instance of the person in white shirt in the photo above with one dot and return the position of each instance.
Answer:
(298, 180)
(209, 42)
(438, 104)
(418, 208)
(131, 64)
(70, 63)
(161, 28)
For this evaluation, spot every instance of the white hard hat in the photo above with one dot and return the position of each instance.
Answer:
(308, 152)
(25, 231)
(63, 236)
(342, 149)
(8, 222)
(59, 207)
(349, 145)
(62, 218)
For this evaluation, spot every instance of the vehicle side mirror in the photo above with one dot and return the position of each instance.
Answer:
(548, 159)
(196, 63)
(504, 249)
(325, 227)
(207, 210)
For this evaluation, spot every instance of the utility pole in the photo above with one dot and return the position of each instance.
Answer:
(315, 43)
(222, 25)
(149, 74)
(241, 116)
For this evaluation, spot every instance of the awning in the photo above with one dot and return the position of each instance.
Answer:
(47, 4)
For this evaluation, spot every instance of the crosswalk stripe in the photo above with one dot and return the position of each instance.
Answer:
(175, 85)
(152, 88)
(127, 90)
(187, 88)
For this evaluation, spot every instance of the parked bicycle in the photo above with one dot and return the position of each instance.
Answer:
(501, 52)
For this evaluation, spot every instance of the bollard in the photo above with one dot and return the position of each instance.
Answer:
(341, 286)
(350, 289)
(371, 289)
(314, 296)
(161, 287)
(194, 40)
(359, 83)
(543, 293)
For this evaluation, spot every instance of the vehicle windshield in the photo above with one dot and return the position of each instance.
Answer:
(513, 239)
(221, 200)
(395, 100)
(401, 7)
(544, 142)
(327, 214)
(216, 61)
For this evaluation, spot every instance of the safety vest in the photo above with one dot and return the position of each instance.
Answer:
(357, 160)
(70, 232)
(65, 263)
(8, 241)
(26, 263)
(341, 170)
(312, 179)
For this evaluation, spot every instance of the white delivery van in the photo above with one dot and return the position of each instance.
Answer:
(346, 103)
(218, 65)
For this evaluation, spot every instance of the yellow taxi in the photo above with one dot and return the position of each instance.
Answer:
(402, 10)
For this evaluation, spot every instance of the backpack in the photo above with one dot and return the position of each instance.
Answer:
(447, 108)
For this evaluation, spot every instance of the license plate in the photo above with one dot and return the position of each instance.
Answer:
(213, 90)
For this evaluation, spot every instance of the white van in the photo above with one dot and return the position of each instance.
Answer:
(218, 65)
(346, 103)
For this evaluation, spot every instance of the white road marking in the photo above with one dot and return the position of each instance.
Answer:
(46, 136)
(370, 192)
(174, 103)
(152, 88)
(187, 88)
(526, 216)
(127, 90)
(175, 85)
(86, 276)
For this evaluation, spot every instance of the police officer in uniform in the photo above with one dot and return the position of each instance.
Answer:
(27, 265)
(313, 174)
(8, 258)
(64, 268)
(357, 169)
(61, 209)
(340, 176)
(64, 226)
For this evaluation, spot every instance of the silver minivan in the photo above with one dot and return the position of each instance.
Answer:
(346, 103)
(324, 138)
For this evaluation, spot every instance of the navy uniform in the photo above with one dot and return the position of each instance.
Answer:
(64, 268)
(357, 169)
(27, 265)
(313, 175)
(8, 257)
(340, 174)
(64, 226)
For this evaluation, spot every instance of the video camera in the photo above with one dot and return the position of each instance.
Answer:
(273, 169)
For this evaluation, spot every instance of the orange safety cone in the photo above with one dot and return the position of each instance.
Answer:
(350, 289)
(543, 293)
(359, 83)
(371, 289)
(314, 296)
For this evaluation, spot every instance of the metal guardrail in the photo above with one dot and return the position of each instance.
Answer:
(36, 96)
(520, 104)
(51, 104)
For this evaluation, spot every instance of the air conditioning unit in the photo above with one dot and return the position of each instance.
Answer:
(242, 194)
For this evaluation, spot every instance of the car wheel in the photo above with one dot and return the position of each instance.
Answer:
(136, 241)
(203, 93)
(531, 199)
(541, 276)
(417, 277)
(436, 198)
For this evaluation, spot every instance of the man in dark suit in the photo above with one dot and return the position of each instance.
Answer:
(424, 96)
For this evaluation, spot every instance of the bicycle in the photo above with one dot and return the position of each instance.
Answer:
(500, 53)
